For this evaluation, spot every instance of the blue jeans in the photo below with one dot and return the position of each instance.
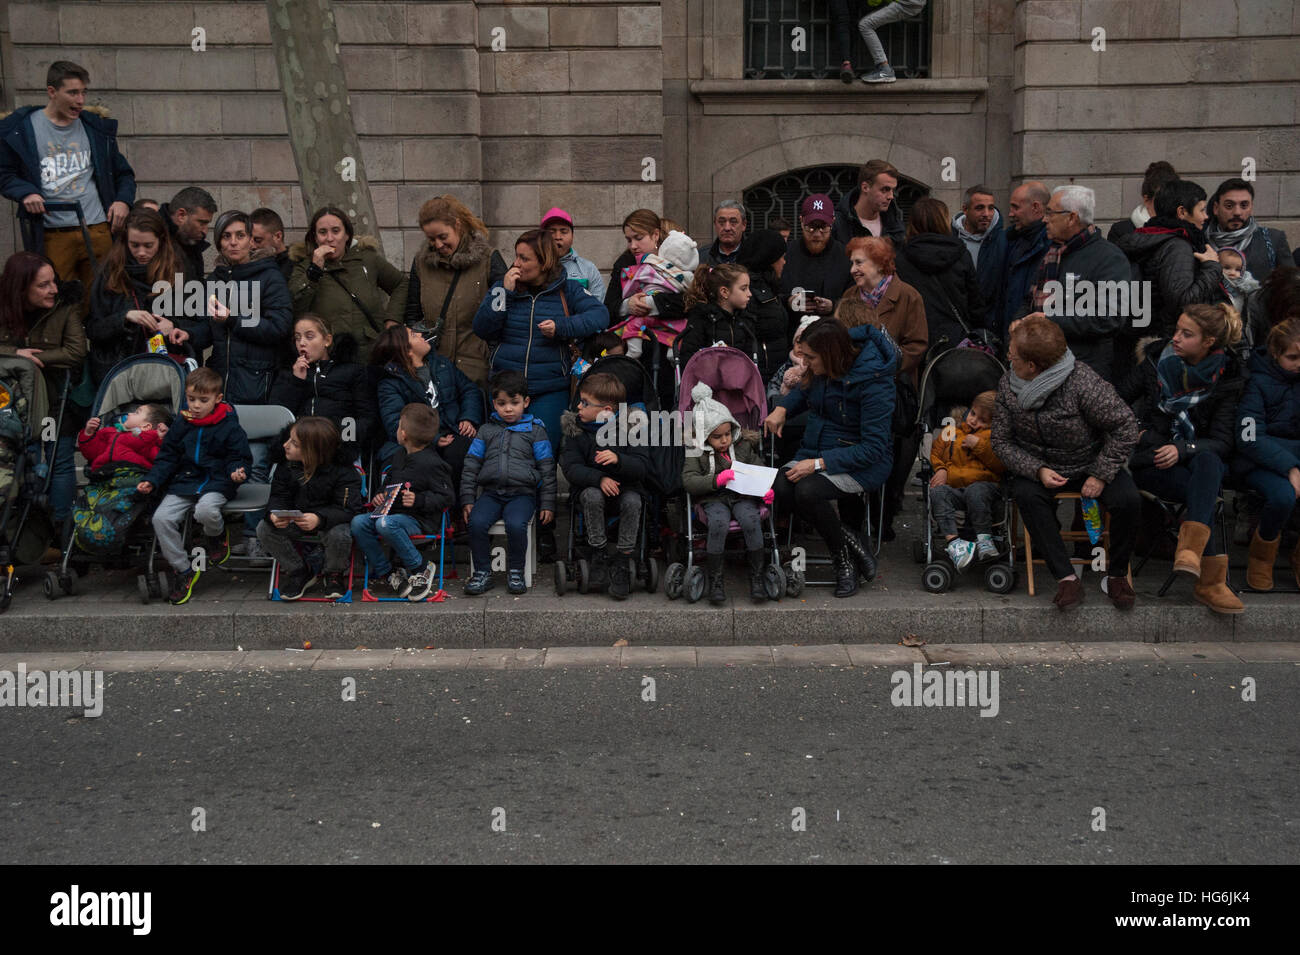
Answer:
(548, 408)
(369, 534)
(63, 479)
(1195, 483)
(490, 508)
(1279, 501)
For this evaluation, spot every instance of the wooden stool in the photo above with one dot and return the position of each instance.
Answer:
(1069, 536)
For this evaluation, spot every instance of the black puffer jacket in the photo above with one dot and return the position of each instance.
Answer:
(706, 324)
(246, 348)
(764, 250)
(1162, 254)
(333, 493)
(939, 267)
(1214, 418)
(429, 476)
(111, 336)
(336, 388)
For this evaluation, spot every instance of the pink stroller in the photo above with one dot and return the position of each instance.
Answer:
(738, 384)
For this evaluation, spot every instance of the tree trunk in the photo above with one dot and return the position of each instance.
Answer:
(319, 111)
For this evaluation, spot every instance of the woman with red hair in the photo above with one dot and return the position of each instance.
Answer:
(879, 297)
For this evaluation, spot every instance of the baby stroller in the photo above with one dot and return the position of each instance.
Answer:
(26, 468)
(737, 383)
(110, 520)
(574, 566)
(954, 377)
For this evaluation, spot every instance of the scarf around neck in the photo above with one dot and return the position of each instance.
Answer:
(1238, 239)
(1183, 386)
(1033, 394)
(873, 297)
(1169, 225)
(1050, 268)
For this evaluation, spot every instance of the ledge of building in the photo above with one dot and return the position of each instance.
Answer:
(768, 97)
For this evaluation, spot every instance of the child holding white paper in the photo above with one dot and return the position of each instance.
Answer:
(719, 441)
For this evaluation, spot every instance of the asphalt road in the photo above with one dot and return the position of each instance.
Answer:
(711, 771)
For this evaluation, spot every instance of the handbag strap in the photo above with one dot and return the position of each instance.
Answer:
(446, 304)
(357, 302)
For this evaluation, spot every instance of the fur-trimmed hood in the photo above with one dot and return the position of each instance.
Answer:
(571, 426)
(360, 243)
(471, 253)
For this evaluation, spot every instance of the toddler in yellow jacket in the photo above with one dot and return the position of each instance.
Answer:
(966, 476)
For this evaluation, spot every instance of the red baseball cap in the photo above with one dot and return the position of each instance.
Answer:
(555, 212)
(817, 208)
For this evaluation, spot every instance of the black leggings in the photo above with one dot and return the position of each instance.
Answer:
(812, 499)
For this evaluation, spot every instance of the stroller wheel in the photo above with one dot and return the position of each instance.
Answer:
(143, 588)
(584, 575)
(695, 584)
(918, 550)
(999, 579)
(50, 585)
(936, 578)
(69, 581)
(561, 578)
(773, 582)
(793, 581)
(651, 575)
(674, 580)
(159, 585)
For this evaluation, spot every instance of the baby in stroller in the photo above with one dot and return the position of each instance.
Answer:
(117, 456)
(967, 475)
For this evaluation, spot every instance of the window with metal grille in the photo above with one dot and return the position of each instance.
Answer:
(768, 35)
(780, 196)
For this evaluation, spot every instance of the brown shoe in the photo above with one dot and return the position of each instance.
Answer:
(1259, 569)
(1069, 594)
(1212, 589)
(1192, 538)
(1119, 591)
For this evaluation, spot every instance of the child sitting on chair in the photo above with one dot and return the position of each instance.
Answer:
(720, 442)
(321, 483)
(967, 475)
(424, 478)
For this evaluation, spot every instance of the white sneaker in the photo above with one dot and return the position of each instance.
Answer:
(422, 583)
(962, 552)
(985, 549)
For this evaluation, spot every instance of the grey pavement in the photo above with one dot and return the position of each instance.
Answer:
(575, 763)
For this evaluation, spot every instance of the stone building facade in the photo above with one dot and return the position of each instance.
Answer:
(589, 98)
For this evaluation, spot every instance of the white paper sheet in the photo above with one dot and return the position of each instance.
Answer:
(751, 480)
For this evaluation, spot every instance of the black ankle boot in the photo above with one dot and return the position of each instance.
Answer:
(860, 554)
(846, 574)
(757, 562)
(717, 591)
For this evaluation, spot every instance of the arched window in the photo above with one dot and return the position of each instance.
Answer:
(770, 41)
(779, 197)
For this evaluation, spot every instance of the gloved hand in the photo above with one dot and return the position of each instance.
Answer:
(725, 476)
(769, 497)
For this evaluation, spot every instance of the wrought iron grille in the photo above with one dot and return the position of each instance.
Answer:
(768, 41)
(779, 197)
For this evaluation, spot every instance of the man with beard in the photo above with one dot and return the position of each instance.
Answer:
(729, 221)
(188, 216)
(815, 263)
(1026, 242)
(1233, 226)
(870, 208)
(1170, 252)
(980, 228)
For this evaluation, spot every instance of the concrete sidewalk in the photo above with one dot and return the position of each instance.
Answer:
(229, 610)
(645, 658)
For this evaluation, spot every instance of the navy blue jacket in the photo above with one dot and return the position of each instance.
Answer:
(459, 399)
(1025, 251)
(1269, 410)
(849, 421)
(991, 267)
(246, 348)
(521, 347)
(198, 458)
(511, 460)
(20, 163)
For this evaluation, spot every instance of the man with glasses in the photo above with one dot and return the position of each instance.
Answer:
(1079, 259)
(815, 263)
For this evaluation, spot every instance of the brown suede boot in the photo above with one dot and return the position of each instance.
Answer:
(1192, 538)
(1259, 570)
(1212, 589)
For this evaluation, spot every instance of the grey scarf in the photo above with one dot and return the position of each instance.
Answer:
(1033, 394)
(1238, 239)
